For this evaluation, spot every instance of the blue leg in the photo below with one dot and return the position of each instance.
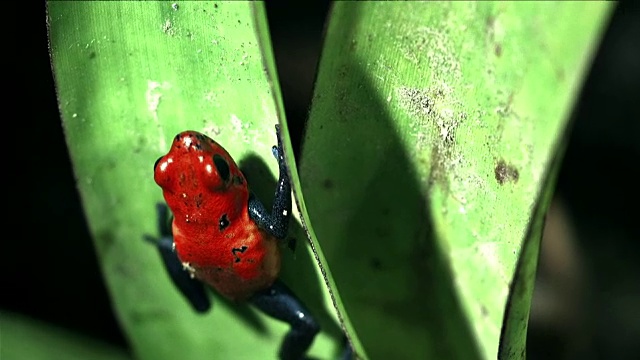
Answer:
(280, 303)
(275, 222)
(191, 288)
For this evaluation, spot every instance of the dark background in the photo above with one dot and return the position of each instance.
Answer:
(49, 269)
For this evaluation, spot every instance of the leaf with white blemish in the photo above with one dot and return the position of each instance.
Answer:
(428, 143)
(129, 76)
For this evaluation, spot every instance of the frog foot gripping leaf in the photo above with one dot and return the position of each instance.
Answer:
(224, 237)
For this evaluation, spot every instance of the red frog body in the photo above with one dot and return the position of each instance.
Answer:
(223, 236)
(215, 238)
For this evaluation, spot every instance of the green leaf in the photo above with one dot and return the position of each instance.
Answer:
(514, 328)
(129, 76)
(429, 143)
(25, 338)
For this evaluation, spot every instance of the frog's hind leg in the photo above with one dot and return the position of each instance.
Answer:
(279, 302)
(190, 287)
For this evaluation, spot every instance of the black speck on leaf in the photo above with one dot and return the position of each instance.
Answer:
(506, 173)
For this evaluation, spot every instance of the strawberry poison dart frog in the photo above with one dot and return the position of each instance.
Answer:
(224, 237)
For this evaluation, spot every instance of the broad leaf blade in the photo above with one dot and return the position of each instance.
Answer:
(513, 336)
(129, 76)
(431, 129)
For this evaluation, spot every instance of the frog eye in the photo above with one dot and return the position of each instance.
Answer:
(222, 166)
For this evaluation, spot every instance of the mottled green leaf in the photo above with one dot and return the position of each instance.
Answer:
(429, 140)
(129, 76)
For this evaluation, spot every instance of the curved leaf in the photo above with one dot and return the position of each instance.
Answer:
(429, 138)
(129, 76)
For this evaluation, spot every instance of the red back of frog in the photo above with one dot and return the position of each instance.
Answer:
(213, 234)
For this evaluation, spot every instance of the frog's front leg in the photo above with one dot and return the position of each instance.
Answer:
(276, 222)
